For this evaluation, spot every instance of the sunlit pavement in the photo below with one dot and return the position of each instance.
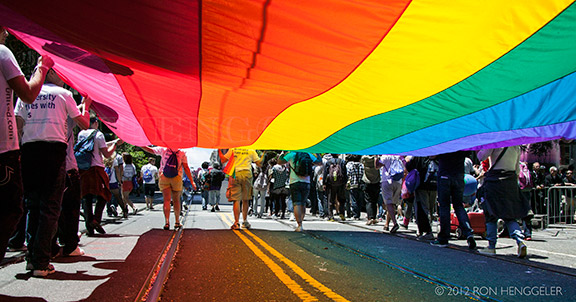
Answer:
(118, 264)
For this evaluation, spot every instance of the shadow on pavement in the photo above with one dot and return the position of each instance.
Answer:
(125, 283)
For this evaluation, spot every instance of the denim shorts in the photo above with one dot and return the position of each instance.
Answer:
(299, 193)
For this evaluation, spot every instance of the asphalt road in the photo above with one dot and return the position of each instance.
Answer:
(342, 261)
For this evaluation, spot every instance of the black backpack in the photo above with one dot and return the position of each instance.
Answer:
(171, 166)
(302, 164)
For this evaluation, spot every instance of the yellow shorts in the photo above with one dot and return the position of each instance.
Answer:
(240, 188)
(174, 183)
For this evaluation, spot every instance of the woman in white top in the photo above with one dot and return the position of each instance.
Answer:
(127, 184)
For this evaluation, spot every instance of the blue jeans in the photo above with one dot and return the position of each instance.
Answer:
(205, 199)
(356, 201)
(451, 191)
(492, 230)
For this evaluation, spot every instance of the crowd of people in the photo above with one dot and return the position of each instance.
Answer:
(53, 177)
(268, 184)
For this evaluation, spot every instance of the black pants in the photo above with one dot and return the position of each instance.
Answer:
(279, 203)
(336, 193)
(44, 177)
(70, 214)
(11, 196)
(371, 195)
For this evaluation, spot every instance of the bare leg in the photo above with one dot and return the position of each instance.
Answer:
(127, 201)
(245, 205)
(299, 212)
(236, 208)
(167, 195)
(176, 200)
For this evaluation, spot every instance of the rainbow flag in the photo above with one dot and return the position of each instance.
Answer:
(229, 169)
(440, 75)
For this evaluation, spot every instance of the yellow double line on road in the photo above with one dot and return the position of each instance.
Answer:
(278, 271)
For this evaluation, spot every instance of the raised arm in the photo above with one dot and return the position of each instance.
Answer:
(26, 90)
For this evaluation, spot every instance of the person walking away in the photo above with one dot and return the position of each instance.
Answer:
(69, 219)
(451, 192)
(371, 188)
(117, 172)
(149, 176)
(205, 187)
(240, 185)
(502, 198)
(44, 144)
(392, 175)
(216, 179)
(335, 177)
(174, 163)
(129, 172)
(11, 188)
(425, 194)
(93, 177)
(320, 194)
(301, 168)
(355, 171)
(261, 185)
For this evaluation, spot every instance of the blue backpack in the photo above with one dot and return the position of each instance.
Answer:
(148, 176)
(412, 180)
(83, 151)
(171, 166)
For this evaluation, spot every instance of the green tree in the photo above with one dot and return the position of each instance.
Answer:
(26, 57)
(139, 157)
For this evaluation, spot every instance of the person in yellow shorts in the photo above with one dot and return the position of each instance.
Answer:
(171, 180)
(240, 185)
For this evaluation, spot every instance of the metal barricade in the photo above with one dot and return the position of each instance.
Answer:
(560, 205)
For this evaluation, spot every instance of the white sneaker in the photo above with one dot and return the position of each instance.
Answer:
(77, 252)
(246, 224)
(487, 251)
(522, 250)
(292, 217)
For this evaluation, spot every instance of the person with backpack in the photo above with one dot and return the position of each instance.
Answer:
(93, 177)
(129, 172)
(371, 188)
(205, 183)
(44, 151)
(424, 194)
(335, 177)
(216, 177)
(301, 168)
(392, 175)
(355, 171)
(279, 180)
(174, 163)
(149, 176)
